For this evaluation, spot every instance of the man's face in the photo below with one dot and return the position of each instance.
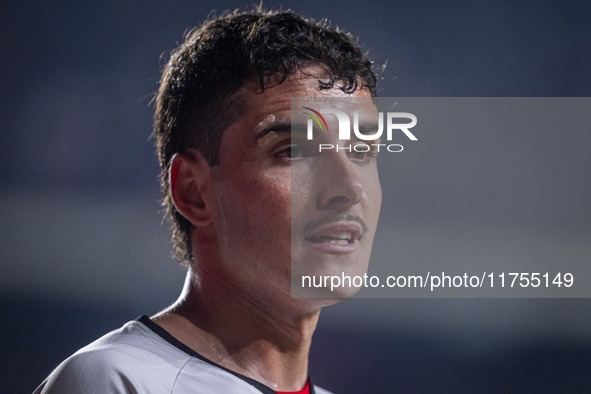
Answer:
(275, 199)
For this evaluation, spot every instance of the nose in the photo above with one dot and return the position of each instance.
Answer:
(340, 186)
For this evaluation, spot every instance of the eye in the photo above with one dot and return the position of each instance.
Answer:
(359, 156)
(289, 152)
(362, 153)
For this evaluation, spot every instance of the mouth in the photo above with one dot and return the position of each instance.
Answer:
(337, 237)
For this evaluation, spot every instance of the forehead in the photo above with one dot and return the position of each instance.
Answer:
(255, 106)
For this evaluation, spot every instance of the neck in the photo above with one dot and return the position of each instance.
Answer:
(268, 341)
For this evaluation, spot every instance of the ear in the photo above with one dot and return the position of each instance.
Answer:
(189, 186)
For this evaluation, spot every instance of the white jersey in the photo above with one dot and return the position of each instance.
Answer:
(141, 357)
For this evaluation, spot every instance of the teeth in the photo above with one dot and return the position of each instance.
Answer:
(334, 241)
(339, 238)
(346, 235)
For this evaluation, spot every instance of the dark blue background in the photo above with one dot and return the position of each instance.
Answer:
(82, 248)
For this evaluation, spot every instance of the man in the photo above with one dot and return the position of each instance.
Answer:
(222, 125)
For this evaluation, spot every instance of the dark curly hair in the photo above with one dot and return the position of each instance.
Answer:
(193, 107)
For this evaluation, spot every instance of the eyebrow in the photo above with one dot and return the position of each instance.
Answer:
(287, 127)
(279, 128)
(368, 127)
(365, 129)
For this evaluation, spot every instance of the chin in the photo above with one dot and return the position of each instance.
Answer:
(328, 287)
(315, 304)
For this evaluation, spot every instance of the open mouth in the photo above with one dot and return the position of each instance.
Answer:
(339, 238)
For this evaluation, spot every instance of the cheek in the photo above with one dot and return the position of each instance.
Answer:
(270, 192)
(255, 209)
(376, 194)
(372, 198)
(273, 202)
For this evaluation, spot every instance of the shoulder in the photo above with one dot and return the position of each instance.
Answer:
(126, 360)
(141, 357)
(320, 390)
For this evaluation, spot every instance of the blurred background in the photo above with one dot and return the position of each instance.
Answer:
(83, 248)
